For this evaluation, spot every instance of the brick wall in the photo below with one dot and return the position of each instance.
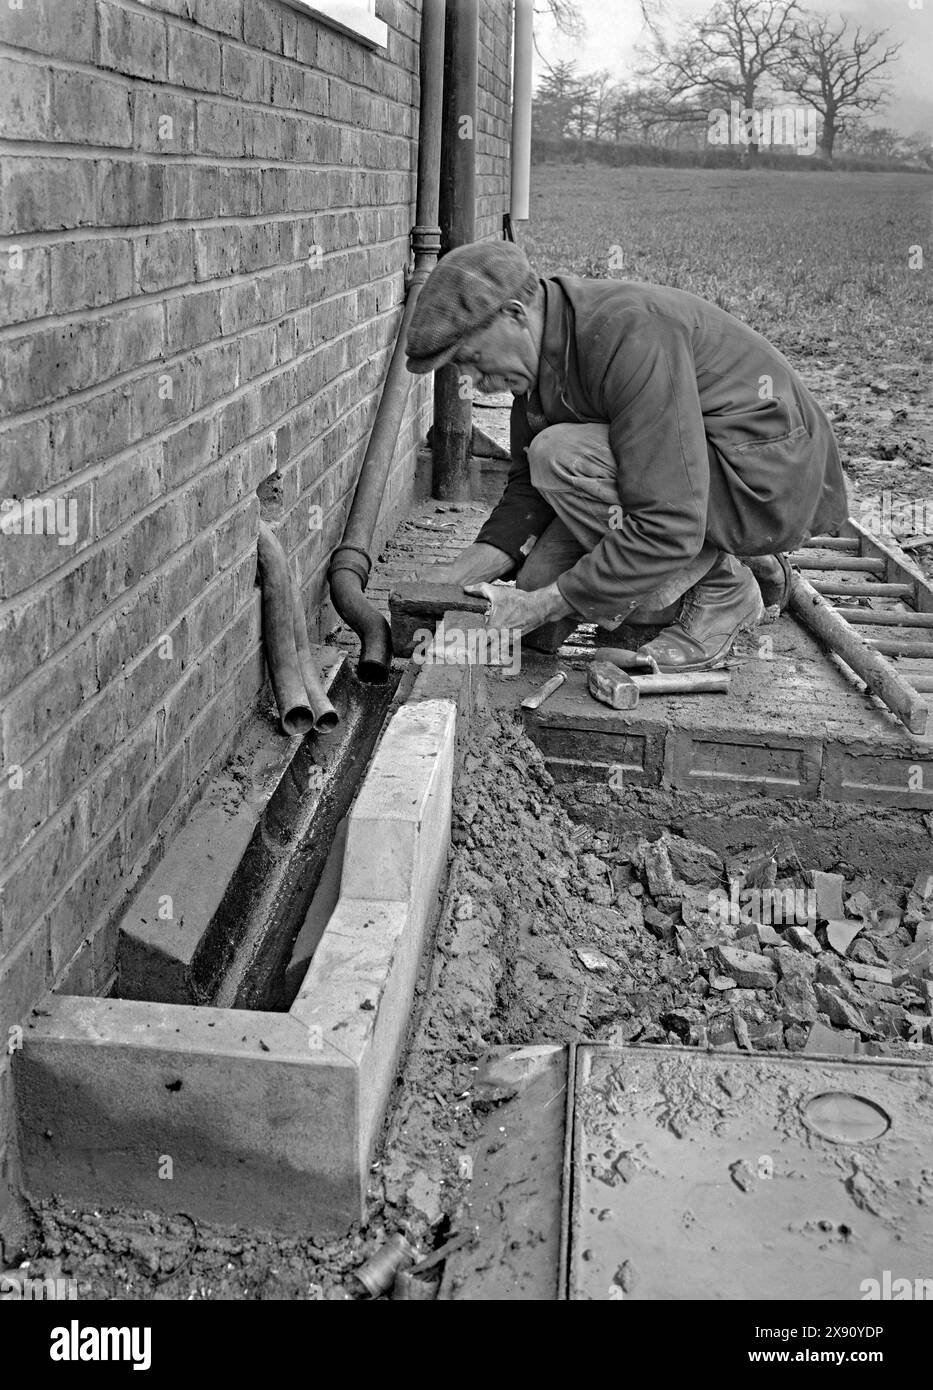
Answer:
(493, 117)
(174, 354)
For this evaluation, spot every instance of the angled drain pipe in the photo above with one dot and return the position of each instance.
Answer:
(299, 694)
(351, 563)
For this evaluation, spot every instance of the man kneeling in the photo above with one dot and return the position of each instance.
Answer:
(654, 439)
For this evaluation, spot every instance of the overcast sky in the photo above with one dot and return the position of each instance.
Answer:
(614, 29)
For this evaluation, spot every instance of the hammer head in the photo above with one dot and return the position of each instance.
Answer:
(612, 686)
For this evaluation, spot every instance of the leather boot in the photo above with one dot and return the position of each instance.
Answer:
(629, 633)
(774, 578)
(712, 614)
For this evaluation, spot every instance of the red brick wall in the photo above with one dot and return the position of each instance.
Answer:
(168, 347)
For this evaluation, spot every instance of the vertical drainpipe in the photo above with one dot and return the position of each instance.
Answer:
(453, 418)
(351, 562)
(521, 109)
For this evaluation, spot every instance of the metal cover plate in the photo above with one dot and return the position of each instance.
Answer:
(706, 1177)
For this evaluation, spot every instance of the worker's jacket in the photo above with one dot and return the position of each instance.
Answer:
(715, 438)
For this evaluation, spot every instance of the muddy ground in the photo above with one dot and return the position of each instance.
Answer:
(552, 934)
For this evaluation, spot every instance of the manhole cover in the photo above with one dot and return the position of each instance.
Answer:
(844, 1118)
(711, 1176)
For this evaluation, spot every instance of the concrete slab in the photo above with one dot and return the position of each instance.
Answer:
(793, 725)
(701, 1176)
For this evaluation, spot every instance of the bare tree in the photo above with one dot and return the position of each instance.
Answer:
(566, 15)
(726, 55)
(582, 109)
(836, 74)
(602, 85)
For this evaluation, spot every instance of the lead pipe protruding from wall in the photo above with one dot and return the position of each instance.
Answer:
(300, 697)
(325, 716)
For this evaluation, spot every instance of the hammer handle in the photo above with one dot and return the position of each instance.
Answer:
(681, 682)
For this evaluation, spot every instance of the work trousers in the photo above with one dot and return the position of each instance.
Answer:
(573, 467)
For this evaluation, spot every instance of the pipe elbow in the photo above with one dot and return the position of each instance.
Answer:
(346, 590)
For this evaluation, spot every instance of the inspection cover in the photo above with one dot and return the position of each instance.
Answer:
(700, 1176)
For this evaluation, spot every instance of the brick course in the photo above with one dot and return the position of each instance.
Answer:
(168, 345)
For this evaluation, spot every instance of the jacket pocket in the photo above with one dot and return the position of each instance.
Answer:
(774, 422)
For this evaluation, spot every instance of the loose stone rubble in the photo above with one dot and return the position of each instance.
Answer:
(761, 952)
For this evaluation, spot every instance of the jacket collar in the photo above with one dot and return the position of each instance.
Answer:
(556, 370)
(555, 341)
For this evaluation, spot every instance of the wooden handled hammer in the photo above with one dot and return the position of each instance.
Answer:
(618, 689)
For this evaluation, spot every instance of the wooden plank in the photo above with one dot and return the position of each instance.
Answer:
(886, 617)
(862, 588)
(855, 563)
(881, 678)
(831, 543)
(900, 646)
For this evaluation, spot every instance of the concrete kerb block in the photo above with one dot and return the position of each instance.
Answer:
(356, 999)
(416, 607)
(237, 1115)
(400, 824)
(230, 1115)
(464, 684)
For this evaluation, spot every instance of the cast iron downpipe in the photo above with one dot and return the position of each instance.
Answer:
(350, 563)
(299, 694)
(452, 435)
(523, 52)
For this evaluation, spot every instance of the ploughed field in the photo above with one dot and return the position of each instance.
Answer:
(824, 265)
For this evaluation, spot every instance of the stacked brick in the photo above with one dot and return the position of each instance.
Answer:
(204, 218)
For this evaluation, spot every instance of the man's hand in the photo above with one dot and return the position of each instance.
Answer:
(524, 609)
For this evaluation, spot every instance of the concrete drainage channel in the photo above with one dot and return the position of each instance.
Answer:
(259, 1108)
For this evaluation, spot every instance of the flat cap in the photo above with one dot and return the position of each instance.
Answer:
(463, 294)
